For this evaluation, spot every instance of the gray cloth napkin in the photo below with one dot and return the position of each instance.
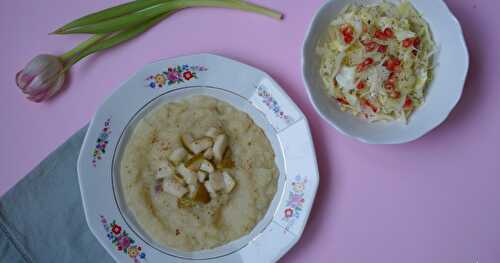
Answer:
(41, 218)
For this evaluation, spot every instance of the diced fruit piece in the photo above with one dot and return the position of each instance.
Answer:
(220, 146)
(174, 188)
(165, 170)
(228, 182)
(212, 132)
(226, 162)
(202, 195)
(208, 154)
(210, 189)
(207, 166)
(194, 163)
(201, 144)
(216, 180)
(202, 176)
(186, 174)
(177, 155)
(187, 140)
(193, 188)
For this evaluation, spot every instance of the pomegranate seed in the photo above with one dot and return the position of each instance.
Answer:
(392, 64)
(408, 103)
(370, 46)
(380, 35)
(368, 61)
(388, 33)
(382, 49)
(346, 29)
(407, 42)
(361, 85)
(416, 42)
(367, 103)
(348, 39)
(342, 101)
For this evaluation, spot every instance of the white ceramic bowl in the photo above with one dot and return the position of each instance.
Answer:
(442, 93)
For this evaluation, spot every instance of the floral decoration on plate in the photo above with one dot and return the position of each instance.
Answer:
(295, 201)
(122, 241)
(174, 75)
(273, 105)
(102, 142)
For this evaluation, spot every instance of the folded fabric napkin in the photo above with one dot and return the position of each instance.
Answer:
(42, 219)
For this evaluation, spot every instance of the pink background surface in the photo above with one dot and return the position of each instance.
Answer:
(432, 200)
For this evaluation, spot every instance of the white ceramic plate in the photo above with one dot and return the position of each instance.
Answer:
(244, 87)
(442, 94)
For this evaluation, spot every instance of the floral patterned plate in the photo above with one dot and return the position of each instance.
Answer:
(244, 87)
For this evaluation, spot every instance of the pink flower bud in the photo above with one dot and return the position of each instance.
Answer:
(41, 78)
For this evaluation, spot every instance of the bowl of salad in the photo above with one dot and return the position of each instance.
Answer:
(384, 72)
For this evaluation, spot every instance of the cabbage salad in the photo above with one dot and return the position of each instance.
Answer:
(376, 60)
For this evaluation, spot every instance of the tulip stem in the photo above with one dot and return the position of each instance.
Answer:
(82, 47)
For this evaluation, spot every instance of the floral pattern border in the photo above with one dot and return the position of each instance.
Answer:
(295, 201)
(101, 142)
(273, 105)
(122, 241)
(174, 75)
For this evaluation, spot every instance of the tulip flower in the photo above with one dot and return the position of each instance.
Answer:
(41, 78)
(44, 75)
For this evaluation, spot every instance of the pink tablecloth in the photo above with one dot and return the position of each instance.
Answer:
(433, 200)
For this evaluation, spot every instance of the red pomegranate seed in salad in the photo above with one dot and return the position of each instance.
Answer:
(362, 66)
(370, 46)
(367, 103)
(416, 42)
(346, 29)
(382, 49)
(348, 39)
(361, 85)
(408, 103)
(343, 101)
(368, 61)
(380, 35)
(392, 64)
(407, 42)
(388, 33)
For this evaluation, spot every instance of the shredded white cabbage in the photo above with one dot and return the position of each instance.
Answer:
(377, 60)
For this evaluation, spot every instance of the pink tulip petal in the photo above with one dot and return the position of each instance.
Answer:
(39, 97)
